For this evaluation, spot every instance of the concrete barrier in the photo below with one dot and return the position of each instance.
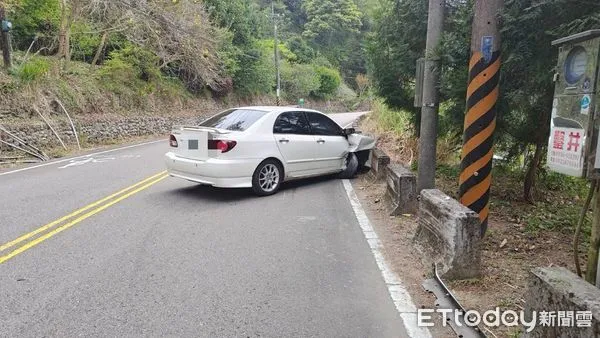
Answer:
(401, 191)
(557, 290)
(379, 161)
(449, 234)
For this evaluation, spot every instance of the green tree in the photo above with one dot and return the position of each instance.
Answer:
(334, 27)
(34, 19)
(328, 19)
(256, 74)
(393, 47)
(529, 62)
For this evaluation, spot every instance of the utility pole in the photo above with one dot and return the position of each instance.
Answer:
(593, 265)
(5, 38)
(480, 119)
(430, 108)
(276, 50)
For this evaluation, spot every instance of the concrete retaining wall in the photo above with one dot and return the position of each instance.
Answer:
(401, 193)
(557, 289)
(379, 163)
(448, 234)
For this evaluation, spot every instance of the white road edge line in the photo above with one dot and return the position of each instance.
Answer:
(79, 157)
(400, 296)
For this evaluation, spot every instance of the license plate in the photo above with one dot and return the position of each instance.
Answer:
(193, 144)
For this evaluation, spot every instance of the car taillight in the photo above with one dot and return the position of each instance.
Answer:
(222, 145)
(173, 141)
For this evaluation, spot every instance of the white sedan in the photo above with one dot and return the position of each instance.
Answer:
(261, 147)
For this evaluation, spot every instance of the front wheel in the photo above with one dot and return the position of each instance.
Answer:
(351, 167)
(267, 178)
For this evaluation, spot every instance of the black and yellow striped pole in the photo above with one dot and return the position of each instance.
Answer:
(480, 119)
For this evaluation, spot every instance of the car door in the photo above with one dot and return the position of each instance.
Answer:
(332, 145)
(296, 143)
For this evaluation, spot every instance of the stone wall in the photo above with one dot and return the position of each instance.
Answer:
(108, 128)
(93, 131)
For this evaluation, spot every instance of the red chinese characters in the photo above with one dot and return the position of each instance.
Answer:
(573, 144)
(559, 140)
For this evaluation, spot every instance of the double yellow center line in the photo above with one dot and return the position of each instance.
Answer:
(31, 239)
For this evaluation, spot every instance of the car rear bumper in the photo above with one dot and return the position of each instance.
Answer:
(215, 172)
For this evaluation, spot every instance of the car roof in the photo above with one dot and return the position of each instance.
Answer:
(278, 109)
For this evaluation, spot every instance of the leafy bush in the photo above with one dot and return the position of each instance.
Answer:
(268, 46)
(131, 67)
(298, 80)
(329, 81)
(33, 69)
(345, 93)
(562, 183)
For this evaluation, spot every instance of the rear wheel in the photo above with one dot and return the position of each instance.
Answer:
(351, 167)
(267, 178)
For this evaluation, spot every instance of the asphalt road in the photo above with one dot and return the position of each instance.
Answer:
(170, 258)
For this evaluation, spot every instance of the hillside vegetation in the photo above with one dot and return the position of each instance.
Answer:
(126, 56)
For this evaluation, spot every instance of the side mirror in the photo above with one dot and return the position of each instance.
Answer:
(349, 131)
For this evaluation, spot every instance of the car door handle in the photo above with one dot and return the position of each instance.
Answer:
(284, 140)
(320, 141)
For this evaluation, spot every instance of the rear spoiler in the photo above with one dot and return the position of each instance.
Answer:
(200, 128)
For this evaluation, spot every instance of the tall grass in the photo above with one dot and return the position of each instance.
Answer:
(391, 120)
(32, 70)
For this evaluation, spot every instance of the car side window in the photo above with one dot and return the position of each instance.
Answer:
(323, 125)
(291, 123)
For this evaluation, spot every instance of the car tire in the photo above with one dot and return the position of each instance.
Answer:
(267, 178)
(351, 167)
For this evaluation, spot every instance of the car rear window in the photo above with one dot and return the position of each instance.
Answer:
(234, 119)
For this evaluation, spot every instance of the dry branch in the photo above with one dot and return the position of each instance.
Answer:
(33, 149)
(71, 122)
(23, 150)
(51, 128)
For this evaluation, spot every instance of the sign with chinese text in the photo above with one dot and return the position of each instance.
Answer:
(565, 151)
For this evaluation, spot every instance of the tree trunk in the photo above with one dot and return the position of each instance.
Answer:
(68, 44)
(64, 34)
(530, 177)
(100, 48)
(63, 41)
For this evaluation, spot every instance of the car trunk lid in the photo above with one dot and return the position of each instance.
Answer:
(192, 142)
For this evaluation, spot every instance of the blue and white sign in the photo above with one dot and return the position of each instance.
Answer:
(487, 46)
(586, 103)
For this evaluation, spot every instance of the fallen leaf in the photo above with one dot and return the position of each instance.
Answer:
(503, 244)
